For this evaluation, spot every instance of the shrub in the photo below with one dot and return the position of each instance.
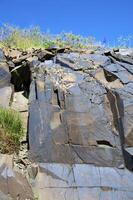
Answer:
(11, 130)
(73, 41)
(32, 37)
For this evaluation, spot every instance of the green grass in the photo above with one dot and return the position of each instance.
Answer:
(14, 37)
(11, 130)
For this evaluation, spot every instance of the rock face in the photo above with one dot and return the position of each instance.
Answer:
(72, 111)
(81, 122)
(80, 126)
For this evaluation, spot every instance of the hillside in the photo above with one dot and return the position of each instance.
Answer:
(76, 105)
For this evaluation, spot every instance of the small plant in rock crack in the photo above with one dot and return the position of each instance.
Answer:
(11, 130)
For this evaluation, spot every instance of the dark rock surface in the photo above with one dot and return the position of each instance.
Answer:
(81, 115)
(71, 112)
(80, 127)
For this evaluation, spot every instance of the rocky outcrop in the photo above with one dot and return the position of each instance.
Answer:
(5, 77)
(72, 110)
(80, 125)
(81, 115)
(13, 185)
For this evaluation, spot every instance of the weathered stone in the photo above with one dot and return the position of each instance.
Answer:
(84, 118)
(32, 58)
(114, 68)
(120, 58)
(43, 55)
(80, 132)
(20, 102)
(19, 60)
(5, 75)
(32, 171)
(5, 96)
(125, 52)
(2, 56)
(128, 67)
(101, 78)
(82, 182)
(5, 196)
(14, 54)
(97, 59)
(11, 65)
(76, 126)
(13, 184)
(124, 75)
(82, 62)
(129, 125)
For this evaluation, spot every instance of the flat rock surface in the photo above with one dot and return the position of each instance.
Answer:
(83, 181)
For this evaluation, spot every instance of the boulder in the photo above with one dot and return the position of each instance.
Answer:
(13, 185)
(5, 75)
(2, 56)
(5, 96)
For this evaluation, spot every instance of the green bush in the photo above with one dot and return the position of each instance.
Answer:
(11, 130)
(14, 37)
(73, 41)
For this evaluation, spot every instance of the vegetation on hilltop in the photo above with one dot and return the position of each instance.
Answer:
(14, 37)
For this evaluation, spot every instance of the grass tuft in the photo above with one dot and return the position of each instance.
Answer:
(11, 130)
